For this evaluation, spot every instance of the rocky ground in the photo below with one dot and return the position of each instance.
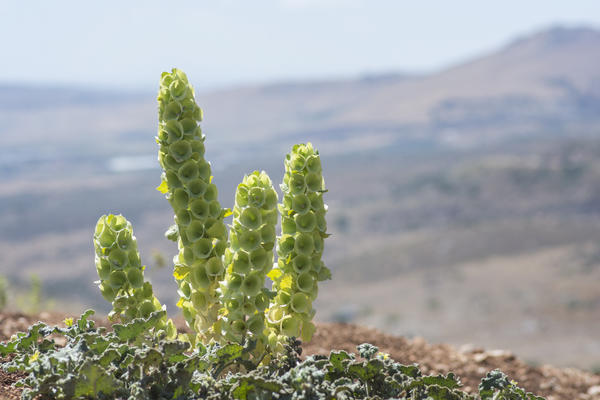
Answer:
(467, 362)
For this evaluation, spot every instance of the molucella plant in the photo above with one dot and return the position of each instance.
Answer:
(249, 259)
(299, 248)
(199, 229)
(221, 275)
(121, 273)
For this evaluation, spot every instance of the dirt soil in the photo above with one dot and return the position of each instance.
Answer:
(469, 363)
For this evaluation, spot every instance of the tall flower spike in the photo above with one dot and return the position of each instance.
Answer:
(199, 228)
(121, 273)
(299, 248)
(249, 258)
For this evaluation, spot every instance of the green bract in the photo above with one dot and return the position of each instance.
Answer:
(121, 273)
(186, 181)
(299, 248)
(248, 259)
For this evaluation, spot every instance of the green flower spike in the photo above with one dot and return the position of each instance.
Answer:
(299, 248)
(199, 228)
(248, 259)
(121, 273)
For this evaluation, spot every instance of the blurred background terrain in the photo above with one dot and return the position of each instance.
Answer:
(464, 203)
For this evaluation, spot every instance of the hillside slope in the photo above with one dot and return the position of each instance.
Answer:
(543, 84)
(546, 81)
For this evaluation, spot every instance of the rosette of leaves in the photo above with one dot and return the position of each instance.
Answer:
(249, 258)
(121, 273)
(187, 182)
(299, 248)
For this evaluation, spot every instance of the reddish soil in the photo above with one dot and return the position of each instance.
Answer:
(470, 364)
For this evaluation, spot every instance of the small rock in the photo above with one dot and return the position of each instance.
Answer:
(499, 353)
(594, 390)
(549, 384)
(441, 367)
(470, 348)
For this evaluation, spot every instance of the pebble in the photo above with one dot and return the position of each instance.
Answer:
(507, 355)
(503, 354)
(594, 390)
(470, 349)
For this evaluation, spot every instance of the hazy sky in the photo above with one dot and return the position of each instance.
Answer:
(127, 43)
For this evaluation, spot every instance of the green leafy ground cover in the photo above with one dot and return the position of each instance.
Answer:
(130, 362)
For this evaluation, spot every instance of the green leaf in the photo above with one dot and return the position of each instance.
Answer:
(337, 358)
(98, 344)
(94, 381)
(149, 357)
(136, 327)
(229, 352)
(108, 356)
(450, 381)
(8, 348)
(83, 323)
(26, 342)
(410, 370)
(174, 350)
(241, 390)
(359, 371)
(435, 392)
(373, 367)
(248, 385)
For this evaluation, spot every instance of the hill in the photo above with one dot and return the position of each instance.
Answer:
(545, 84)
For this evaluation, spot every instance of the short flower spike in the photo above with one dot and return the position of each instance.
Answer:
(121, 273)
(186, 181)
(248, 260)
(299, 248)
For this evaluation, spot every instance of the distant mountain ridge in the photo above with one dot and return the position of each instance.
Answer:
(546, 83)
(15, 96)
